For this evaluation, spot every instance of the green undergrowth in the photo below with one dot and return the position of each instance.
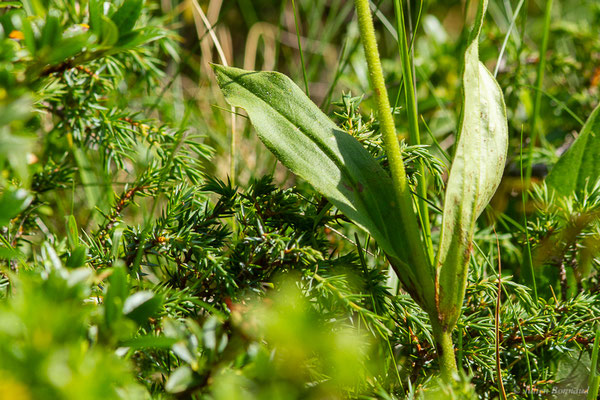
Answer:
(131, 267)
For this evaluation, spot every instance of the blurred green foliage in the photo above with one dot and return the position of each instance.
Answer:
(47, 346)
(131, 268)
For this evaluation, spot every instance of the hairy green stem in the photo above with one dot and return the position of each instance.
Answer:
(445, 349)
(392, 148)
(423, 268)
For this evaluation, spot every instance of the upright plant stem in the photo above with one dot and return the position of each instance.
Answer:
(390, 139)
(388, 128)
(233, 143)
(501, 389)
(529, 272)
(413, 120)
(538, 95)
(445, 348)
(594, 379)
(300, 49)
(442, 335)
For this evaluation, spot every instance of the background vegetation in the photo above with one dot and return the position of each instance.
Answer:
(148, 252)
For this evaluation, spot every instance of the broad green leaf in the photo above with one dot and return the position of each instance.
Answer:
(77, 258)
(15, 109)
(117, 291)
(35, 8)
(142, 305)
(474, 177)
(110, 32)
(138, 37)
(116, 241)
(68, 47)
(180, 380)
(29, 35)
(12, 202)
(96, 14)
(14, 147)
(51, 31)
(127, 15)
(8, 253)
(580, 165)
(72, 231)
(51, 259)
(307, 142)
(15, 4)
(79, 276)
(186, 351)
